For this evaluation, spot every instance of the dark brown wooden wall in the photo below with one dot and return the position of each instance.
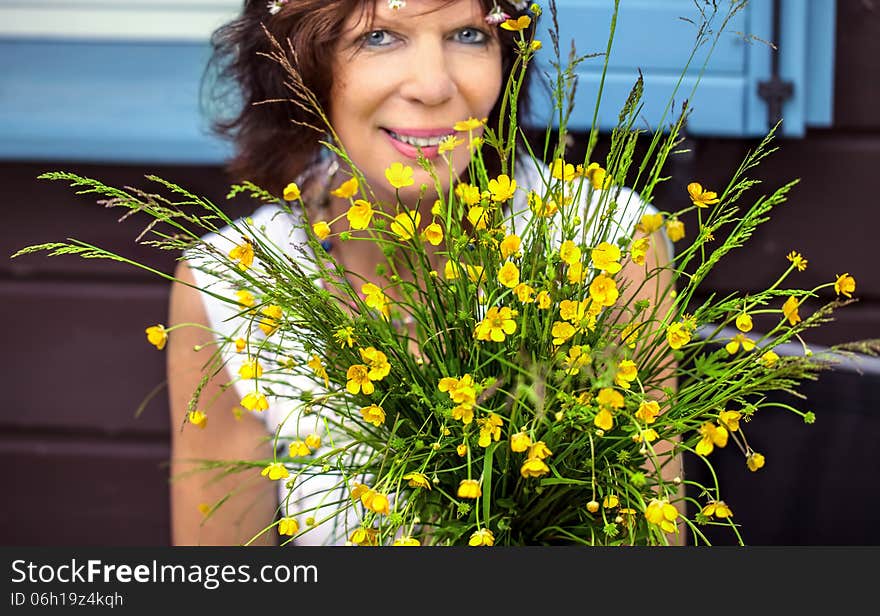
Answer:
(81, 469)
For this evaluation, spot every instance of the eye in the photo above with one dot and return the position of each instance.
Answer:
(471, 36)
(377, 38)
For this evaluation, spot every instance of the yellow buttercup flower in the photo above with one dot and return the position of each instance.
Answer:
(375, 298)
(405, 226)
(569, 252)
(597, 176)
(678, 335)
(377, 362)
(244, 254)
(769, 358)
(291, 192)
(755, 461)
(649, 223)
(845, 285)
(578, 356)
(545, 209)
(399, 175)
(358, 380)
(733, 346)
(359, 214)
(157, 335)
(674, 229)
(603, 290)
(524, 293)
(611, 501)
(469, 488)
(275, 471)
(313, 441)
(255, 401)
(790, 310)
(198, 418)
(661, 513)
(240, 344)
(344, 336)
(648, 411)
(318, 368)
(509, 246)
(376, 502)
(373, 414)
(502, 188)
(250, 370)
(543, 300)
(417, 480)
(406, 541)
(468, 125)
(627, 372)
(490, 429)
(730, 419)
(744, 323)
(364, 537)
(701, 197)
(712, 436)
(508, 275)
(534, 467)
(535, 45)
(478, 217)
(245, 298)
(604, 420)
(347, 189)
(482, 537)
(606, 257)
(638, 251)
(519, 442)
(288, 526)
(518, 24)
(449, 143)
(719, 509)
(539, 450)
(561, 332)
(433, 234)
(321, 229)
(461, 450)
(561, 170)
(650, 435)
(609, 398)
(298, 449)
(498, 324)
(798, 260)
(272, 314)
(470, 195)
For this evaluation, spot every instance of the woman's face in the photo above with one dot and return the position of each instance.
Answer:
(411, 76)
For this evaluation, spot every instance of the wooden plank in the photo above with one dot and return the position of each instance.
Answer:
(39, 211)
(82, 360)
(801, 496)
(857, 89)
(80, 491)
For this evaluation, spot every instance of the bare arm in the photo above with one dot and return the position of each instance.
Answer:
(657, 291)
(253, 499)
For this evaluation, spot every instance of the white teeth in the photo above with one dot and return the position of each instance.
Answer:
(424, 142)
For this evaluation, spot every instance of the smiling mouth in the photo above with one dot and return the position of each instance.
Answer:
(422, 142)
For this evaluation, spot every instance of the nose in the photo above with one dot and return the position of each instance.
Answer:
(430, 78)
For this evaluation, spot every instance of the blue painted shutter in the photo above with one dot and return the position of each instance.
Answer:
(138, 100)
(659, 36)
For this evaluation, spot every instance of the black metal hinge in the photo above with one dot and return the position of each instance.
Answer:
(775, 91)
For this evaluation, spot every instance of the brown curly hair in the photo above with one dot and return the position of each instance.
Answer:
(271, 143)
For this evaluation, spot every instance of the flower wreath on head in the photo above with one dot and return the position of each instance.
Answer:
(495, 16)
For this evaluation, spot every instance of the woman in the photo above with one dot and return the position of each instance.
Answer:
(392, 76)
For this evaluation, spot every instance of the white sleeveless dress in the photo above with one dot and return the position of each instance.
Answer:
(283, 230)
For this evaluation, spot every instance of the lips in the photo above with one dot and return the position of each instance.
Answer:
(409, 141)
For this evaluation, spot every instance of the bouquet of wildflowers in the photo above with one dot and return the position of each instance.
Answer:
(527, 392)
